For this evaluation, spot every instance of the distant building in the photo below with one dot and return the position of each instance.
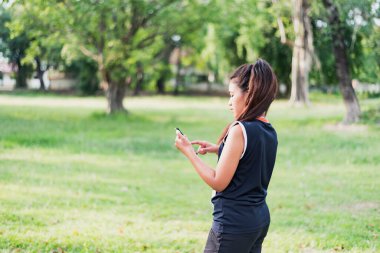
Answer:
(54, 80)
(6, 73)
(60, 81)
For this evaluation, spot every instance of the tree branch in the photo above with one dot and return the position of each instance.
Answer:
(137, 22)
(88, 53)
(147, 41)
(281, 29)
(155, 12)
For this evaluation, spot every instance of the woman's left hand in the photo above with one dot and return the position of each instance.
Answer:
(183, 144)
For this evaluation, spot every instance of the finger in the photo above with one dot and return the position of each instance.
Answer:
(201, 151)
(196, 142)
(209, 149)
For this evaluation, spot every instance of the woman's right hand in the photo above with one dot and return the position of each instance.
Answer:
(206, 147)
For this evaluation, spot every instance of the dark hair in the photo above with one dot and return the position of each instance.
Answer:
(260, 82)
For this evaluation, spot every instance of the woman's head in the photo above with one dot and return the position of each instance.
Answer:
(252, 87)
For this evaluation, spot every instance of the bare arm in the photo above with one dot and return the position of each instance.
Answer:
(220, 178)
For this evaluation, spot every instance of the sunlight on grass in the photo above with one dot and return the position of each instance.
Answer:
(77, 180)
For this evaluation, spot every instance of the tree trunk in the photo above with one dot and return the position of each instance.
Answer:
(21, 75)
(139, 79)
(342, 68)
(115, 95)
(178, 74)
(40, 73)
(301, 59)
(115, 92)
(165, 71)
(160, 84)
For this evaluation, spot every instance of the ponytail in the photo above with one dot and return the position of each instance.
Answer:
(261, 84)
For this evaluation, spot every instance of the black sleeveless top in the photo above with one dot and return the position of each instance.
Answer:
(241, 207)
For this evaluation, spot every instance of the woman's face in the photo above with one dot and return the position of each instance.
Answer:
(237, 99)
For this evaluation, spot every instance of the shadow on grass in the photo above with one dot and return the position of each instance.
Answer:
(371, 116)
(126, 117)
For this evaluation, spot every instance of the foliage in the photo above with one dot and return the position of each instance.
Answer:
(14, 48)
(216, 36)
(83, 69)
(361, 37)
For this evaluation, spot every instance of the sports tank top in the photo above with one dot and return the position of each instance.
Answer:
(241, 207)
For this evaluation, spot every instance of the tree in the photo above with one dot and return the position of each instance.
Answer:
(44, 54)
(116, 34)
(108, 32)
(302, 52)
(14, 48)
(162, 67)
(342, 63)
(111, 33)
(253, 34)
(302, 47)
(360, 33)
(27, 44)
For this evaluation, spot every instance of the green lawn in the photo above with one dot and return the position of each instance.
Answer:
(75, 180)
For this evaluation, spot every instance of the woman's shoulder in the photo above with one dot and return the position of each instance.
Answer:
(236, 130)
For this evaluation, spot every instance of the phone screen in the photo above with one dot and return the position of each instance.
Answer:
(179, 130)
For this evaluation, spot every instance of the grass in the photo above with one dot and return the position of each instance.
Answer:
(75, 180)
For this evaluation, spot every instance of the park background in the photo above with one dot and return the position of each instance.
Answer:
(91, 91)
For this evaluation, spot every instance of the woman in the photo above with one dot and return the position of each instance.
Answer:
(246, 156)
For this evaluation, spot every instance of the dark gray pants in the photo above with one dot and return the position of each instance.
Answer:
(235, 243)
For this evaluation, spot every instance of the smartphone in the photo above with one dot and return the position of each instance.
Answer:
(179, 130)
(183, 134)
